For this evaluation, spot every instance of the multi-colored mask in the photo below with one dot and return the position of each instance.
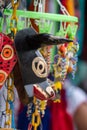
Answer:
(8, 57)
(33, 66)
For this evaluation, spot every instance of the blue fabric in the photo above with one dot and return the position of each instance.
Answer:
(13, 119)
(23, 120)
(0, 14)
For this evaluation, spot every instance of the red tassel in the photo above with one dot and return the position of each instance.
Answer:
(30, 126)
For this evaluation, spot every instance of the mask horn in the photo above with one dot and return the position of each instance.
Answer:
(28, 39)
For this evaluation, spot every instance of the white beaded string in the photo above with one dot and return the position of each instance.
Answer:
(63, 9)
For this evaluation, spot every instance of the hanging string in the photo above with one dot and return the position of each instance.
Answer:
(44, 4)
(14, 18)
(9, 6)
(2, 4)
(13, 28)
(40, 6)
(63, 9)
(10, 121)
(35, 5)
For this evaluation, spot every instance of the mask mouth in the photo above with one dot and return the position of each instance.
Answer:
(42, 91)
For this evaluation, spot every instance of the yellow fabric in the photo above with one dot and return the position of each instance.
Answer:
(70, 7)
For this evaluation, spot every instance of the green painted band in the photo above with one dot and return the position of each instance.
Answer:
(39, 15)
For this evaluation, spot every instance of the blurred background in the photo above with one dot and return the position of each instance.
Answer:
(71, 113)
(75, 8)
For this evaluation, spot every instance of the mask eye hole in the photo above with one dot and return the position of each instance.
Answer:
(3, 76)
(7, 52)
(39, 67)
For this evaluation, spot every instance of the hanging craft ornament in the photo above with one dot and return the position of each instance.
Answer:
(31, 62)
(8, 60)
(33, 66)
(41, 89)
(10, 121)
(65, 61)
(46, 20)
(31, 73)
(14, 18)
(8, 57)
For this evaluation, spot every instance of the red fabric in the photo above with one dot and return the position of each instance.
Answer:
(60, 119)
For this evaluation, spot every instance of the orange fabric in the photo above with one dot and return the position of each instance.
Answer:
(69, 5)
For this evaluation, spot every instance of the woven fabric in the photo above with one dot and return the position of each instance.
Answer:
(7, 57)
